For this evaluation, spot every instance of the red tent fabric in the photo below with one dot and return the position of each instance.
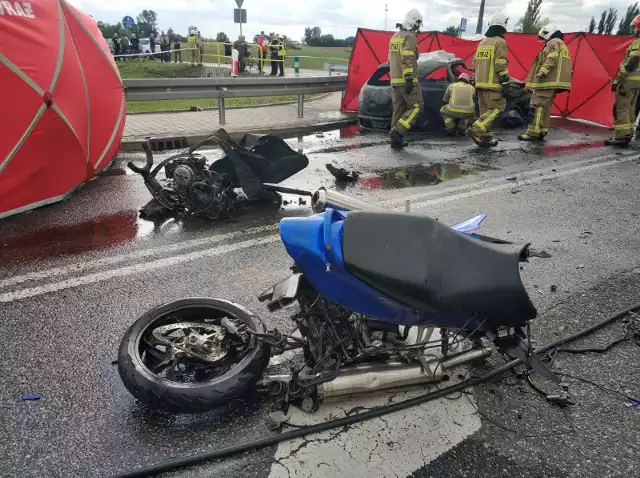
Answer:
(596, 59)
(63, 105)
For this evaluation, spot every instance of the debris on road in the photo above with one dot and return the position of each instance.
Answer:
(554, 288)
(580, 266)
(512, 178)
(342, 174)
(31, 397)
(516, 191)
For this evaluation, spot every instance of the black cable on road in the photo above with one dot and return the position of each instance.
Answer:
(368, 415)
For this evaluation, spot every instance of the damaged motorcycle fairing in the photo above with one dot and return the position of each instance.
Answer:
(196, 189)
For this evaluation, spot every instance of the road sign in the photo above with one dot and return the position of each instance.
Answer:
(239, 3)
(463, 24)
(239, 15)
(128, 22)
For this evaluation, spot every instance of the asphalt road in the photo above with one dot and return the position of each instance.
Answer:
(74, 276)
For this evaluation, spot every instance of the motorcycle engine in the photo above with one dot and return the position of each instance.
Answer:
(184, 175)
(186, 171)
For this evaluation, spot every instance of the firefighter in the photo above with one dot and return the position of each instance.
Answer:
(403, 69)
(192, 41)
(549, 75)
(626, 87)
(492, 80)
(458, 106)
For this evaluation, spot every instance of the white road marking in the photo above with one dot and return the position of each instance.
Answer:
(423, 199)
(134, 269)
(80, 266)
(394, 445)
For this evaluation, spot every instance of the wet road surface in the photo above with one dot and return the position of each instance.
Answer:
(75, 275)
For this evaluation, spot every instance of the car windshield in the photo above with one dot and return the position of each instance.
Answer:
(380, 77)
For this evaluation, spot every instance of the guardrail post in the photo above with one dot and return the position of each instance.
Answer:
(296, 65)
(300, 106)
(221, 118)
(218, 48)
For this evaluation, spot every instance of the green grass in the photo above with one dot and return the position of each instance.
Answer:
(157, 69)
(185, 105)
(321, 55)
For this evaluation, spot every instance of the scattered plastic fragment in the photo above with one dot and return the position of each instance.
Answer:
(31, 396)
(554, 288)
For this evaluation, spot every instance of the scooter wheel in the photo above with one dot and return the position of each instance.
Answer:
(168, 378)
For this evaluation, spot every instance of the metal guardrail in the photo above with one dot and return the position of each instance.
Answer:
(221, 88)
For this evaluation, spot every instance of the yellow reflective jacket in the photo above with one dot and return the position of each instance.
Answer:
(490, 64)
(403, 57)
(459, 97)
(551, 70)
(630, 80)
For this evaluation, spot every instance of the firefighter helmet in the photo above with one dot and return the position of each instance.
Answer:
(547, 31)
(635, 23)
(412, 20)
(499, 19)
(463, 77)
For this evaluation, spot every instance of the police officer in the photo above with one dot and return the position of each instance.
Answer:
(626, 87)
(403, 69)
(458, 106)
(549, 75)
(492, 80)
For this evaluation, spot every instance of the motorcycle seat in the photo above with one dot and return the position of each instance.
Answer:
(430, 267)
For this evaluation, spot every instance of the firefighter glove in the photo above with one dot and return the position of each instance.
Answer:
(614, 86)
(409, 83)
(505, 89)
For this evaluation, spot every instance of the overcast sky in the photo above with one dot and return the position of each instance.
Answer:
(338, 17)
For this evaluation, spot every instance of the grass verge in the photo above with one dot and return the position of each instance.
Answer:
(185, 105)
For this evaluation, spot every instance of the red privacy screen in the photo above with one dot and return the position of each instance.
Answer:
(595, 59)
(63, 104)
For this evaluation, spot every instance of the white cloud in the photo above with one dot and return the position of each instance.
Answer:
(338, 17)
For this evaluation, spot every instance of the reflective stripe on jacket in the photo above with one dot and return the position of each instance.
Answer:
(403, 57)
(553, 63)
(490, 64)
(630, 80)
(459, 97)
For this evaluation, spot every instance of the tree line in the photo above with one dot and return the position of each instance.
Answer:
(532, 21)
(313, 37)
(609, 18)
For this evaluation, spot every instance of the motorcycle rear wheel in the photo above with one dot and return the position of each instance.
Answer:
(235, 374)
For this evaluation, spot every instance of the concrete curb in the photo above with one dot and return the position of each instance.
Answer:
(285, 132)
(278, 103)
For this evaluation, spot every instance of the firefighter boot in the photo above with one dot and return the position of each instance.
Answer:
(397, 139)
(530, 137)
(622, 142)
(483, 142)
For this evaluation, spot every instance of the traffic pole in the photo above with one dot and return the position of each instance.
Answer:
(296, 65)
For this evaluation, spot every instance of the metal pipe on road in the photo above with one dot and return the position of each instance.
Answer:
(324, 198)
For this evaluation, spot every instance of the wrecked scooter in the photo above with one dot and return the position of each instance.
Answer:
(380, 300)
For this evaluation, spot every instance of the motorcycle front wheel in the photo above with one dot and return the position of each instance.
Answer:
(192, 355)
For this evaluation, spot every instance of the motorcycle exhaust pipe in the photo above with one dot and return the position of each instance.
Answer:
(324, 198)
(360, 379)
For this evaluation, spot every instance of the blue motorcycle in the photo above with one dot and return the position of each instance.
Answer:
(379, 300)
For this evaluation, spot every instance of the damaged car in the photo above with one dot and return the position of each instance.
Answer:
(436, 71)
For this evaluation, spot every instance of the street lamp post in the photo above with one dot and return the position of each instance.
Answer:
(480, 18)
(386, 9)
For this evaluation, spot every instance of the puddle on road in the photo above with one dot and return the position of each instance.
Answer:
(100, 233)
(409, 176)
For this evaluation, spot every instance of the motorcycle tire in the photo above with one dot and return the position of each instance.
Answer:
(177, 397)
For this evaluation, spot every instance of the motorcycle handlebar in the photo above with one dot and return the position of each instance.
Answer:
(146, 147)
